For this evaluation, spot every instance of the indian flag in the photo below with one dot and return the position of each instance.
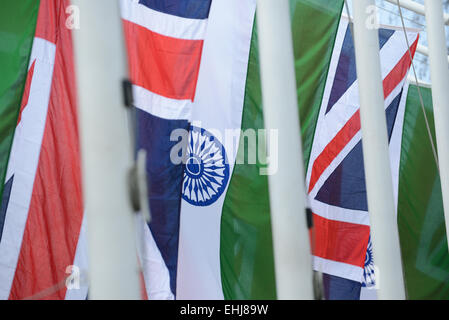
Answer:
(420, 205)
(196, 83)
(210, 234)
(233, 235)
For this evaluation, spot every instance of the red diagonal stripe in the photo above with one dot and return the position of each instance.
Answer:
(350, 129)
(398, 73)
(26, 92)
(334, 148)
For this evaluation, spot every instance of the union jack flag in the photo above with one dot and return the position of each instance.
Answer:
(335, 176)
(164, 41)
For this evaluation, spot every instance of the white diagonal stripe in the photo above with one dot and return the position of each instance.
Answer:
(162, 23)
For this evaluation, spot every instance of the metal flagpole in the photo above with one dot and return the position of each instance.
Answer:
(387, 254)
(439, 71)
(106, 152)
(293, 260)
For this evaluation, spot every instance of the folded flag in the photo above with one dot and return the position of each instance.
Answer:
(335, 176)
(196, 68)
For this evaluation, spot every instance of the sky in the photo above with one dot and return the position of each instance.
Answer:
(389, 15)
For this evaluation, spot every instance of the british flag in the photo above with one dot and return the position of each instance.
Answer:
(335, 175)
(164, 41)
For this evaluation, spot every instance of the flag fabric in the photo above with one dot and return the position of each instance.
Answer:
(16, 38)
(246, 249)
(420, 212)
(335, 177)
(41, 234)
(211, 154)
(420, 205)
(165, 41)
(196, 83)
(210, 234)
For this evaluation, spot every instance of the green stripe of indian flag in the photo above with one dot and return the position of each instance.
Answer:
(17, 26)
(420, 206)
(217, 108)
(246, 252)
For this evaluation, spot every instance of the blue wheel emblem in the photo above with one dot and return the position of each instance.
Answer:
(368, 272)
(206, 171)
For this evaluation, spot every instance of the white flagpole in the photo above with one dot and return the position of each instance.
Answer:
(106, 151)
(293, 261)
(384, 230)
(439, 71)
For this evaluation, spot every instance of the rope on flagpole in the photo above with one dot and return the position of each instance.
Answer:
(429, 131)
(397, 15)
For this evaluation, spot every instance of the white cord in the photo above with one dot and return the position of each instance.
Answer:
(429, 132)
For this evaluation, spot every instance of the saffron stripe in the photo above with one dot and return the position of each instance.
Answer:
(163, 65)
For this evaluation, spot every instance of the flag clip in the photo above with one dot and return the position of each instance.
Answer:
(128, 98)
(138, 188)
